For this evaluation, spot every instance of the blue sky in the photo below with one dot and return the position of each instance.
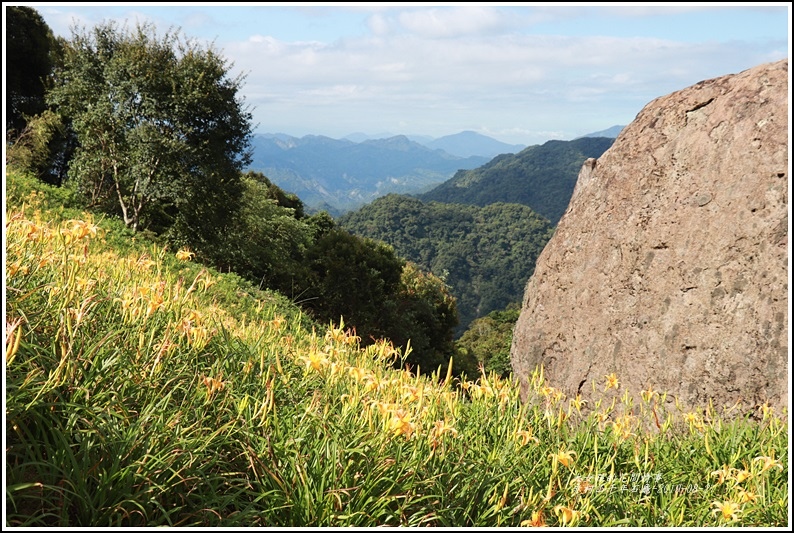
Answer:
(521, 72)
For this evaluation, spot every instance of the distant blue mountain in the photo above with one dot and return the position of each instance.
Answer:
(469, 143)
(610, 133)
(344, 174)
(463, 144)
(358, 137)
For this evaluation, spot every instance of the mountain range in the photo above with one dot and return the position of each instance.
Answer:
(612, 132)
(463, 144)
(541, 177)
(338, 174)
(470, 143)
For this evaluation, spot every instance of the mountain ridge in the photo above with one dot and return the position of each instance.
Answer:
(339, 175)
(468, 143)
(541, 177)
(344, 174)
(611, 132)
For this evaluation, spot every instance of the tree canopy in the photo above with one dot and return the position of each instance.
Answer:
(162, 133)
(489, 340)
(29, 50)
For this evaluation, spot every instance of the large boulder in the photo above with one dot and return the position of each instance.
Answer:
(669, 267)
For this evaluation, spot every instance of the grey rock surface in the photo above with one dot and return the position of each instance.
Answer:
(670, 266)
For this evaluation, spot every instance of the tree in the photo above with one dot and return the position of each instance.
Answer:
(162, 133)
(354, 278)
(427, 315)
(29, 46)
(267, 241)
(30, 149)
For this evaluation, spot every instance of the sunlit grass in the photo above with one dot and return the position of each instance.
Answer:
(143, 389)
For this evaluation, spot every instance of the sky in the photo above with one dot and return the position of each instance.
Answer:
(522, 73)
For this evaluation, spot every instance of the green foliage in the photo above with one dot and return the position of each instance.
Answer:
(383, 297)
(162, 134)
(541, 177)
(31, 149)
(265, 242)
(29, 53)
(353, 278)
(486, 255)
(427, 316)
(489, 339)
(276, 193)
(37, 140)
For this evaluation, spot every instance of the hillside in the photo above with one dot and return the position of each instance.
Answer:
(541, 177)
(485, 254)
(344, 174)
(143, 390)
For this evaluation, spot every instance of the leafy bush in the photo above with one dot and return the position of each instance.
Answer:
(488, 340)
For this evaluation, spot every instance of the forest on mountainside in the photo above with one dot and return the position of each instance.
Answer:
(484, 254)
(541, 177)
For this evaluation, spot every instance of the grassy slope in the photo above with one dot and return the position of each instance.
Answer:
(144, 390)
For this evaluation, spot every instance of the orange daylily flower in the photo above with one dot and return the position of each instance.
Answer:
(563, 457)
(184, 254)
(728, 510)
(611, 382)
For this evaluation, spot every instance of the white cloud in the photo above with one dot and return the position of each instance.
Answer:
(334, 93)
(453, 22)
(528, 83)
(437, 70)
(379, 24)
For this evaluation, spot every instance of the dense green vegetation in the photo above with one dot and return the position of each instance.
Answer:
(541, 177)
(162, 134)
(41, 143)
(143, 389)
(489, 339)
(30, 47)
(485, 254)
